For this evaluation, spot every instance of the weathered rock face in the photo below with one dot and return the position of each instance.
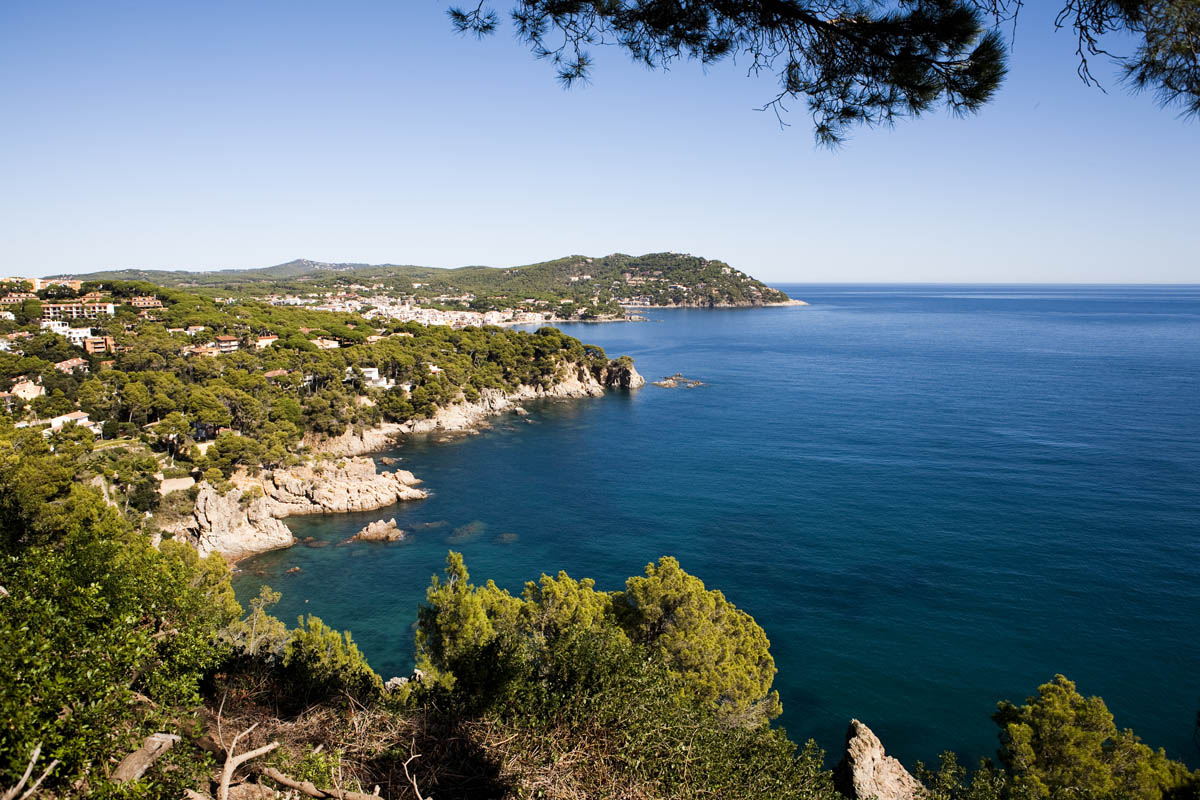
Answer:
(379, 531)
(225, 524)
(576, 381)
(357, 443)
(328, 487)
(620, 374)
(866, 771)
(246, 519)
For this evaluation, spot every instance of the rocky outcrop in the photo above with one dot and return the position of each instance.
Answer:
(575, 381)
(379, 531)
(356, 443)
(621, 374)
(866, 771)
(227, 524)
(676, 380)
(246, 519)
(334, 487)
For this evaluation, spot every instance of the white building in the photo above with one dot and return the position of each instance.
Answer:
(27, 390)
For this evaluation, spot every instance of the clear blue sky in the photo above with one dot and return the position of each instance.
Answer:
(236, 134)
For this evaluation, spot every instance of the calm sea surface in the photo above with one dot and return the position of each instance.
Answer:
(931, 497)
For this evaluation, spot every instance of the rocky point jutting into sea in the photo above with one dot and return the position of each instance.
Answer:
(579, 382)
(247, 518)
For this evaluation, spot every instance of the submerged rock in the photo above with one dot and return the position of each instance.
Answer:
(468, 532)
(867, 771)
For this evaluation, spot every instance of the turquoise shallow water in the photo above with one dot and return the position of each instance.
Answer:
(931, 497)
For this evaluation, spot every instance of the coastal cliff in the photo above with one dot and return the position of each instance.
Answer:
(577, 381)
(246, 518)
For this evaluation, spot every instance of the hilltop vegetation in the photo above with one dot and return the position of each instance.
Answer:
(572, 287)
(290, 372)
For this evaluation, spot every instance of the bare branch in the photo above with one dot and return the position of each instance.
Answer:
(232, 762)
(407, 774)
(310, 789)
(13, 792)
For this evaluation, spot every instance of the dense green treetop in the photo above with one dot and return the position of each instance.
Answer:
(719, 655)
(1060, 738)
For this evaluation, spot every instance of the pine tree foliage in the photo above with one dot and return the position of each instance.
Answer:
(1060, 739)
(853, 62)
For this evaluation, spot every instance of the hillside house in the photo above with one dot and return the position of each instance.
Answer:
(27, 390)
(72, 365)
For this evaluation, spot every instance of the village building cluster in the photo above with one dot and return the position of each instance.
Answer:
(87, 321)
(408, 309)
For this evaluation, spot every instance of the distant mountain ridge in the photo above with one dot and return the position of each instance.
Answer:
(296, 268)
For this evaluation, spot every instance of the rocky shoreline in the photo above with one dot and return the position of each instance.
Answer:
(580, 382)
(247, 517)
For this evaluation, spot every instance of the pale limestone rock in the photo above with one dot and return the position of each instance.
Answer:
(224, 524)
(379, 531)
(619, 375)
(866, 771)
(247, 518)
(574, 381)
(352, 443)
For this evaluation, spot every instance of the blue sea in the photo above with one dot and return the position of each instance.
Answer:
(932, 498)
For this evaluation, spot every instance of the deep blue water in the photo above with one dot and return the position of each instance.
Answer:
(931, 497)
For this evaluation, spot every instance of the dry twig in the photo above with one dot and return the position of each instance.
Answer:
(12, 793)
(232, 762)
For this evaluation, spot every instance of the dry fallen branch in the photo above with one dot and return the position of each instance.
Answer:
(407, 774)
(310, 789)
(13, 792)
(232, 762)
(136, 763)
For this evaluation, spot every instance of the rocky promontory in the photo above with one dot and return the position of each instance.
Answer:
(246, 517)
(574, 381)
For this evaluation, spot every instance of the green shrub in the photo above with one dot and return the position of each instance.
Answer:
(324, 665)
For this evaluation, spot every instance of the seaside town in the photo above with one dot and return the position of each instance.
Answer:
(102, 323)
(409, 309)
(105, 353)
